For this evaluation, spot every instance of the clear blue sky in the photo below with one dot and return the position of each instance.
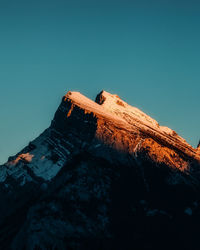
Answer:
(146, 51)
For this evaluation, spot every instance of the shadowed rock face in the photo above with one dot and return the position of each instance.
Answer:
(104, 175)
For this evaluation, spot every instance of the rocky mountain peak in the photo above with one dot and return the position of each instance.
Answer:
(98, 176)
(114, 110)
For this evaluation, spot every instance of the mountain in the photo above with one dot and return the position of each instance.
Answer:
(104, 175)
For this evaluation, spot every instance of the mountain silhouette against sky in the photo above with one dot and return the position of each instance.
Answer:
(104, 175)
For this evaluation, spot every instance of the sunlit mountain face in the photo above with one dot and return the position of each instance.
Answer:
(104, 175)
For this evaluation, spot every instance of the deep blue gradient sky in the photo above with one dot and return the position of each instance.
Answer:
(147, 52)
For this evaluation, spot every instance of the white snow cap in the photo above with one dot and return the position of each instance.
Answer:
(112, 107)
(114, 104)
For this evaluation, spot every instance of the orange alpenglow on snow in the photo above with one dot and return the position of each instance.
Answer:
(132, 131)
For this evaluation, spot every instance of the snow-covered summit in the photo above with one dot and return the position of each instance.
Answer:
(115, 105)
(112, 107)
(88, 105)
